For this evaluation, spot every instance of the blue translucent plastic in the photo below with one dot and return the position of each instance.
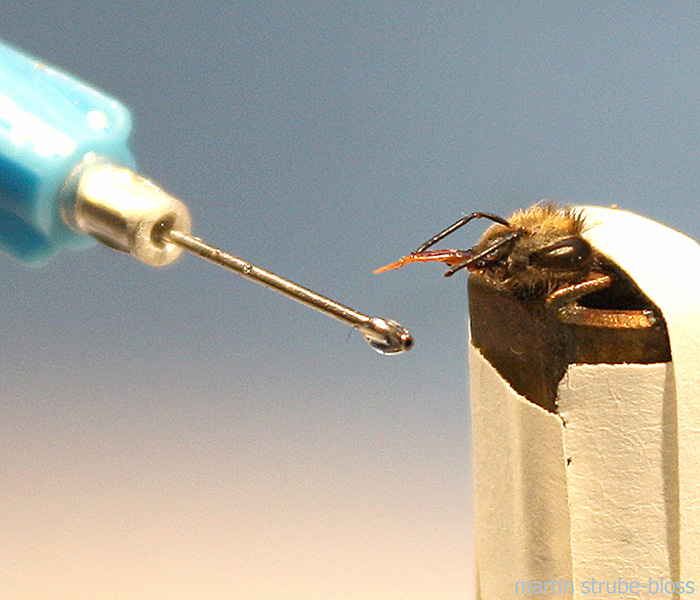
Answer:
(48, 122)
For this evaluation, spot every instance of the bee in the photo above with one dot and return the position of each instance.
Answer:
(537, 253)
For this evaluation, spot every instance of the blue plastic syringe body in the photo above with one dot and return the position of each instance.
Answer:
(66, 174)
(49, 122)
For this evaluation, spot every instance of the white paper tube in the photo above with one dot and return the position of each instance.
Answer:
(608, 489)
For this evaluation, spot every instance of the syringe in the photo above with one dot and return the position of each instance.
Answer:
(66, 171)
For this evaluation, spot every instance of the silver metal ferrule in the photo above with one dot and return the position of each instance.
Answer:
(124, 211)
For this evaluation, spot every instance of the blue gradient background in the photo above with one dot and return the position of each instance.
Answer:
(182, 433)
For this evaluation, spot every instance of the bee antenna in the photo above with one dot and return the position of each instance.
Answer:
(457, 225)
(513, 235)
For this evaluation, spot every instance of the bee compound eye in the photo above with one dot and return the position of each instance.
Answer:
(567, 255)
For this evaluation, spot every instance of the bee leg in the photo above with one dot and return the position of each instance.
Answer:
(571, 293)
(564, 302)
(456, 225)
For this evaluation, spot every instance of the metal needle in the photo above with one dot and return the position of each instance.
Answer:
(129, 213)
(385, 336)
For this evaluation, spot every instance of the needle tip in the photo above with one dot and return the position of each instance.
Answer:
(387, 337)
